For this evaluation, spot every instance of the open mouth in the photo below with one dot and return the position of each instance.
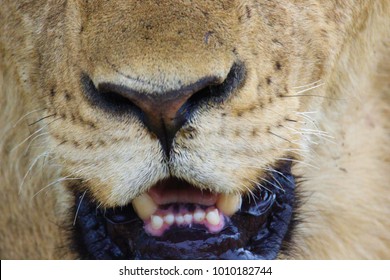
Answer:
(176, 220)
(176, 203)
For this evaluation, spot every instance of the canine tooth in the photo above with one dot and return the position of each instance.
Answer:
(188, 218)
(157, 221)
(144, 206)
(199, 215)
(179, 219)
(169, 219)
(213, 217)
(229, 203)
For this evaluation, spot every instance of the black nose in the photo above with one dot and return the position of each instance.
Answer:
(165, 113)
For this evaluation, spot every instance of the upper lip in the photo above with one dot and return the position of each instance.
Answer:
(177, 191)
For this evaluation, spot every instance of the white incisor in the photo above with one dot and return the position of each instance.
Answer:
(228, 204)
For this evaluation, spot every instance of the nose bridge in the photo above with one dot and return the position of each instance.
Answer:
(157, 76)
(170, 36)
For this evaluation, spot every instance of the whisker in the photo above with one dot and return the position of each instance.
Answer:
(309, 85)
(41, 119)
(296, 150)
(78, 208)
(308, 118)
(299, 152)
(252, 194)
(280, 173)
(32, 140)
(308, 112)
(296, 132)
(66, 178)
(272, 133)
(30, 168)
(274, 112)
(262, 186)
(306, 151)
(53, 183)
(310, 88)
(32, 135)
(27, 114)
(323, 135)
(305, 134)
(269, 182)
(311, 95)
(299, 161)
(317, 131)
(100, 205)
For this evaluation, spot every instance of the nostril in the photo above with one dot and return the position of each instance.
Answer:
(219, 92)
(111, 101)
(115, 99)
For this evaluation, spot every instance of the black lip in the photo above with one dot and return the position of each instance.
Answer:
(257, 231)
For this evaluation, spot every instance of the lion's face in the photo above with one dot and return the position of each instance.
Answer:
(191, 112)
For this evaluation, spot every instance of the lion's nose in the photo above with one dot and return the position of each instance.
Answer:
(165, 113)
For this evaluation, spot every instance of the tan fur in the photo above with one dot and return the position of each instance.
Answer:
(338, 131)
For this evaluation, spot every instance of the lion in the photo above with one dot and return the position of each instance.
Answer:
(234, 129)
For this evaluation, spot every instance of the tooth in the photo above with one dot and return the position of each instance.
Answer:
(229, 203)
(199, 215)
(169, 219)
(179, 219)
(213, 217)
(157, 221)
(188, 218)
(144, 206)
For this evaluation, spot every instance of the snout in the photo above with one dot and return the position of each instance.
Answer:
(164, 113)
